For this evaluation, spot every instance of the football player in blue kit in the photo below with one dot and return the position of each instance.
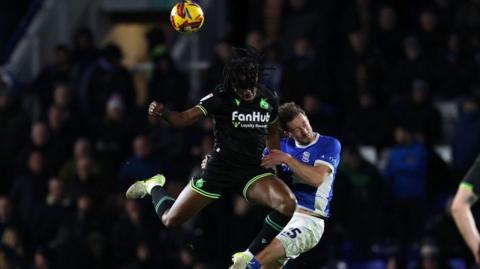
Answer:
(309, 161)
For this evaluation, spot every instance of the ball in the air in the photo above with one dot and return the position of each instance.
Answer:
(186, 17)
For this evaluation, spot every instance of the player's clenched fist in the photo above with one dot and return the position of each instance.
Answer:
(155, 109)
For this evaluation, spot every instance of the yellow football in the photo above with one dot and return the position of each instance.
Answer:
(186, 17)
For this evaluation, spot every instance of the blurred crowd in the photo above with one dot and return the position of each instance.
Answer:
(383, 74)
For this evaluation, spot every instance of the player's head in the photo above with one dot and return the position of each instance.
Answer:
(294, 121)
(241, 73)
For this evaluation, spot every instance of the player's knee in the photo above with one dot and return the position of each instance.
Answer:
(287, 206)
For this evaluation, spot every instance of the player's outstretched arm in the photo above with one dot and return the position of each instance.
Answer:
(461, 212)
(312, 175)
(177, 119)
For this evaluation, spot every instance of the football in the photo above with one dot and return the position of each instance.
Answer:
(186, 17)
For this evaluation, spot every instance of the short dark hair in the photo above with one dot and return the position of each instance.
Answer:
(287, 112)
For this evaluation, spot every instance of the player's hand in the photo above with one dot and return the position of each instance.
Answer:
(155, 109)
(275, 157)
(203, 165)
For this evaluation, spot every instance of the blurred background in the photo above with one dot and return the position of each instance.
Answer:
(397, 81)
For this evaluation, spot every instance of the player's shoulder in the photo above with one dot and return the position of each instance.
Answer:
(266, 92)
(287, 142)
(330, 142)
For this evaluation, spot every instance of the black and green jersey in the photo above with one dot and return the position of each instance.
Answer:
(471, 180)
(240, 128)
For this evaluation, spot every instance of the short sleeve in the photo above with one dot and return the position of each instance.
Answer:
(471, 180)
(210, 104)
(328, 154)
(274, 111)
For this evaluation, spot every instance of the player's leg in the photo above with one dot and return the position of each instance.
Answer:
(301, 234)
(271, 255)
(188, 204)
(271, 191)
(171, 212)
(274, 193)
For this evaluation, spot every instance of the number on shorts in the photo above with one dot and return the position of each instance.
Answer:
(293, 232)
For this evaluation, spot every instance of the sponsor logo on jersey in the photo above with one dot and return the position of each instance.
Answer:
(255, 119)
(264, 104)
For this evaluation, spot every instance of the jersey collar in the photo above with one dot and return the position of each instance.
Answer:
(298, 145)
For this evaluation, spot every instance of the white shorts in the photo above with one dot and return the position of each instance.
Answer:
(301, 234)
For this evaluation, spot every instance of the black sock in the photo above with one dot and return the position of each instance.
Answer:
(274, 223)
(161, 201)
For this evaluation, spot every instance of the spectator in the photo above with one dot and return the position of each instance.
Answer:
(62, 133)
(141, 165)
(429, 34)
(421, 114)
(358, 15)
(39, 141)
(465, 142)
(413, 66)
(453, 74)
(300, 23)
(361, 67)
(84, 51)
(65, 98)
(113, 131)
(165, 80)
(129, 231)
(42, 259)
(60, 70)
(388, 36)
(89, 181)
(12, 253)
(255, 39)
(13, 130)
(30, 187)
(367, 124)
(104, 78)
(405, 179)
(143, 258)
(49, 216)
(82, 149)
(301, 69)
(366, 194)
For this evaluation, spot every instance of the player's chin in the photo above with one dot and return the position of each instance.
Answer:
(248, 95)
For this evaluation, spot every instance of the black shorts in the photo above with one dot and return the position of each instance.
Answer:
(225, 172)
(471, 180)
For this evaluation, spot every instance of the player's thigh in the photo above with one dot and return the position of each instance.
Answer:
(301, 234)
(270, 191)
(188, 203)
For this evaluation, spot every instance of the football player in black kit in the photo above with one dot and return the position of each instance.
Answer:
(245, 114)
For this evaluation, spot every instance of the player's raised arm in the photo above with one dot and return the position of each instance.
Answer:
(177, 119)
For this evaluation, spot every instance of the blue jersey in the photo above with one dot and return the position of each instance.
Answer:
(323, 150)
